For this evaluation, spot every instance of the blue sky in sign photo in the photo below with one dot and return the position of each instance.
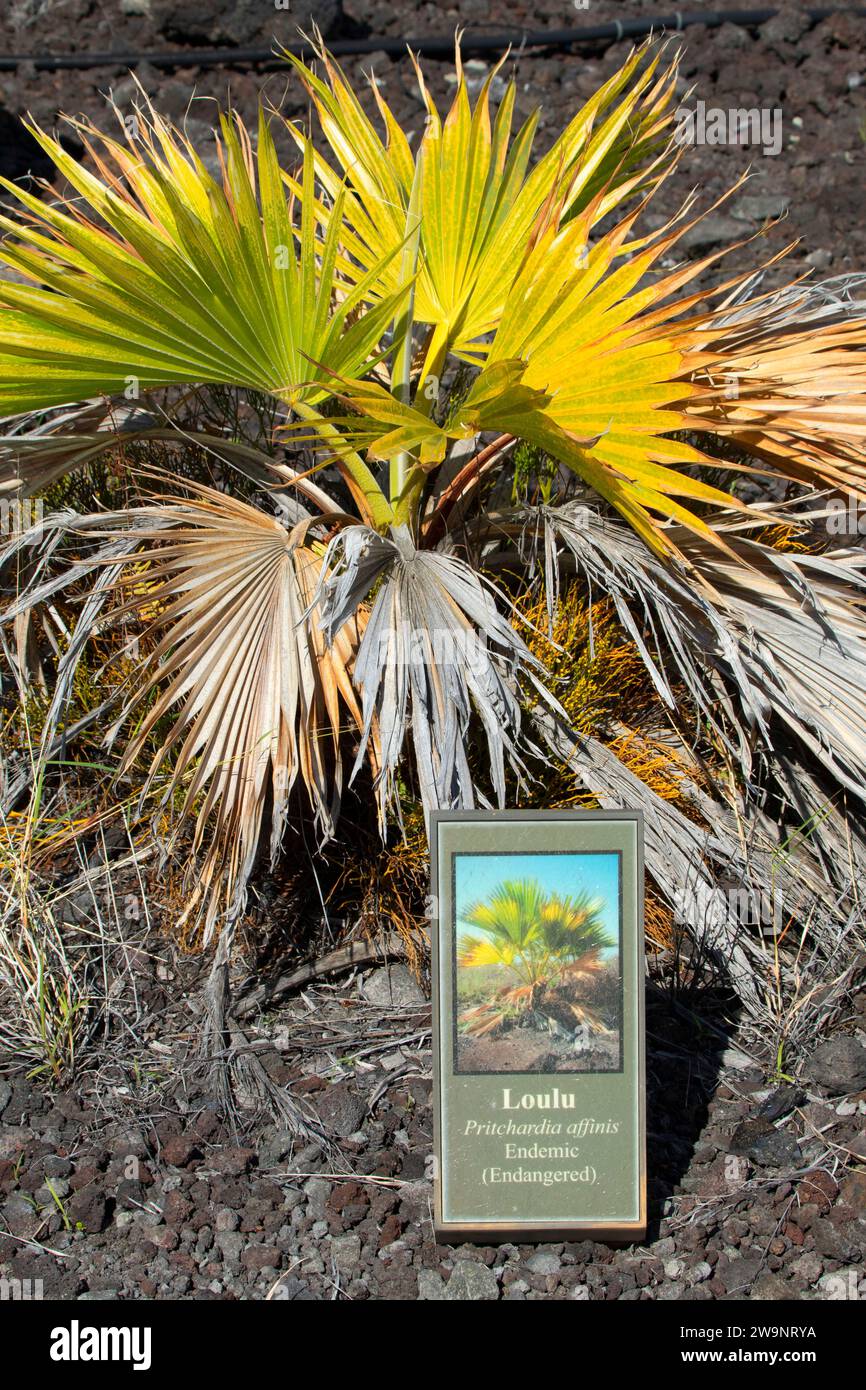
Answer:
(476, 876)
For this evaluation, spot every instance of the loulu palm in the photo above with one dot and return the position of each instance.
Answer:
(342, 289)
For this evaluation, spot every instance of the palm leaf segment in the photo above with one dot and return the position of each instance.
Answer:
(570, 926)
(262, 695)
(480, 204)
(509, 920)
(179, 279)
(535, 935)
(436, 652)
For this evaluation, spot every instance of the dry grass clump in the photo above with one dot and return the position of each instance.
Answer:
(385, 888)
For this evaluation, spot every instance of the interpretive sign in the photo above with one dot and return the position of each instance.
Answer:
(538, 1046)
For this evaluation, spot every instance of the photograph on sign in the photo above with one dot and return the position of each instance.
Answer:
(538, 980)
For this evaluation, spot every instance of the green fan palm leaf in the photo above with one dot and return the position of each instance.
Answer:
(180, 279)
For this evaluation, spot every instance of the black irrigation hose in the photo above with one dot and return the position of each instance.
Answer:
(430, 46)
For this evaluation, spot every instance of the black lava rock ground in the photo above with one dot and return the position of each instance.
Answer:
(134, 1184)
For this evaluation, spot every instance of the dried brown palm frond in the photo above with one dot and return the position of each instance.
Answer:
(783, 376)
(436, 650)
(490, 1016)
(757, 636)
(35, 451)
(263, 697)
(800, 624)
(38, 552)
(702, 869)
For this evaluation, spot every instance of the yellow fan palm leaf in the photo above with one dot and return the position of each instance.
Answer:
(177, 278)
(481, 204)
(473, 950)
(614, 370)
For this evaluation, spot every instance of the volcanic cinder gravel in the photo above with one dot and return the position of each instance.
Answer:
(133, 1184)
